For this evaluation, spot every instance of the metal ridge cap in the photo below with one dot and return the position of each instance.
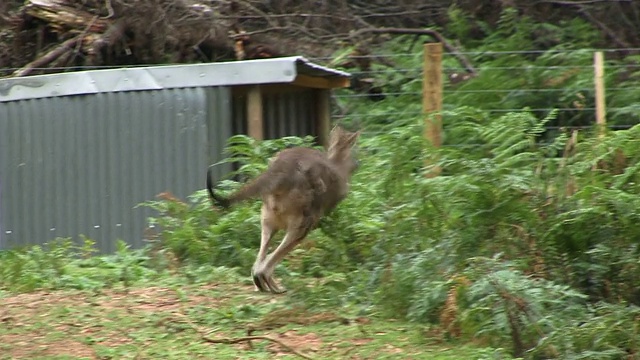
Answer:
(301, 60)
(229, 73)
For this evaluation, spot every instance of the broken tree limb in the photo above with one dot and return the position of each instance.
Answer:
(83, 37)
(58, 14)
(605, 29)
(49, 57)
(114, 33)
(464, 61)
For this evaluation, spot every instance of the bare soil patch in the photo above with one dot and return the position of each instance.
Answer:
(27, 346)
(50, 323)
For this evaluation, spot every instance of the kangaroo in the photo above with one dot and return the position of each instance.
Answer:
(299, 187)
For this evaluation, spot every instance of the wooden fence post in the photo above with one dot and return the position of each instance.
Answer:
(324, 116)
(601, 120)
(432, 96)
(255, 123)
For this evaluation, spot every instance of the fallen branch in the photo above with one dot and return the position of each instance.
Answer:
(204, 335)
(58, 14)
(49, 57)
(113, 34)
(82, 36)
(255, 337)
(466, 63)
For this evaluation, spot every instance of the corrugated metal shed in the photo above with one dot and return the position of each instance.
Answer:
(79, 151)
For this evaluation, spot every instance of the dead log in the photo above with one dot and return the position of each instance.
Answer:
(49, 57)
(62, 17)
(114, 33)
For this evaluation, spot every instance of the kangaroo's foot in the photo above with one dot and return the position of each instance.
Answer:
(265, 283)
(264, 266)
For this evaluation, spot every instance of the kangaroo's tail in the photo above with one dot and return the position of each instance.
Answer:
(216, 200)
(252, 189)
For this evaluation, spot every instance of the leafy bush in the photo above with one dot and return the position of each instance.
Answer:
(61, 265)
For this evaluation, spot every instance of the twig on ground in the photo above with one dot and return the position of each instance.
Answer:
(204, 335)
(255, 337)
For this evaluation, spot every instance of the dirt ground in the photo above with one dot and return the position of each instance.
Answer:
(75, 324)
(28, 310)
(171, 320)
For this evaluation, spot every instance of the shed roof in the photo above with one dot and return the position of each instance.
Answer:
(249, 72)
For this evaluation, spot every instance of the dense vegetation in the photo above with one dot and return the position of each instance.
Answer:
(46, 36)
(526, 241)
(521, 243)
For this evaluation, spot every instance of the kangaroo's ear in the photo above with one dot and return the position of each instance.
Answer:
(336, 130)
(353, 138)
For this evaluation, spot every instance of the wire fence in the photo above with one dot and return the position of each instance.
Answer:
(574, 104)
(452, 66)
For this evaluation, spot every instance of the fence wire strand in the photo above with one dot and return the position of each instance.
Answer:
(385, 77)
(572, 102)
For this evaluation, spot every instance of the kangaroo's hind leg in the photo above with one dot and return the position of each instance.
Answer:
(269, 229)
(263, 273)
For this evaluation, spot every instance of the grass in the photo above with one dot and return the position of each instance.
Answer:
(183, 315)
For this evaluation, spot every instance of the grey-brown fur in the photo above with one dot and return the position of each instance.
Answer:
(299, 187)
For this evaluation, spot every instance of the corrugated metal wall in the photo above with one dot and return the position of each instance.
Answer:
(219, 130)
(285, 113)
(288, 114)
(80, 164)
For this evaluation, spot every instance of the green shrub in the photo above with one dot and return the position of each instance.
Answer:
(60, 264)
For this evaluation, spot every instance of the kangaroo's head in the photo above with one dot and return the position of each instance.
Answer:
(341, 149)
